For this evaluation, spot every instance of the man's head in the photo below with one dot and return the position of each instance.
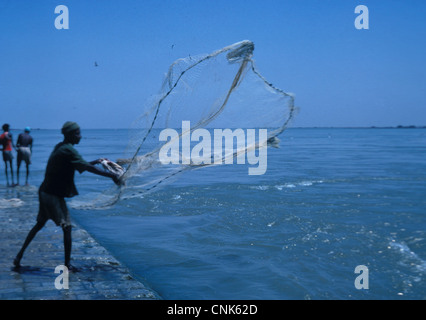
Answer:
(27, 130)
(6, 127)
(71, 132)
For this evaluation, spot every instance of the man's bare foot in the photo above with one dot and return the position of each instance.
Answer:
(17, 262)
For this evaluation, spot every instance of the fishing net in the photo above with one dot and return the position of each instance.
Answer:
(221, 90)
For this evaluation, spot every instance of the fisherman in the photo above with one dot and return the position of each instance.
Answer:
(59, 184)
(25, 148)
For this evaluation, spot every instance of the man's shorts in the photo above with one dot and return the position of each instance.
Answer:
(24, 154)
(53, 207)
(7, 156)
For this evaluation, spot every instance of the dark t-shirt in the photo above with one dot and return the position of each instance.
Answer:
(59, 177)
(24, 140)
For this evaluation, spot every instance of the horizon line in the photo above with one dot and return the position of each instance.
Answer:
(298, 127)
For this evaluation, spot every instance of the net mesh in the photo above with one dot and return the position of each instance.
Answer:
(218, 90)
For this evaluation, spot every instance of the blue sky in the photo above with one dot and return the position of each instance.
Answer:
(341, 76)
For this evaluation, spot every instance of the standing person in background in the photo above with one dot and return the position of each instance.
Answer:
(7, 144)
(25, 148)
